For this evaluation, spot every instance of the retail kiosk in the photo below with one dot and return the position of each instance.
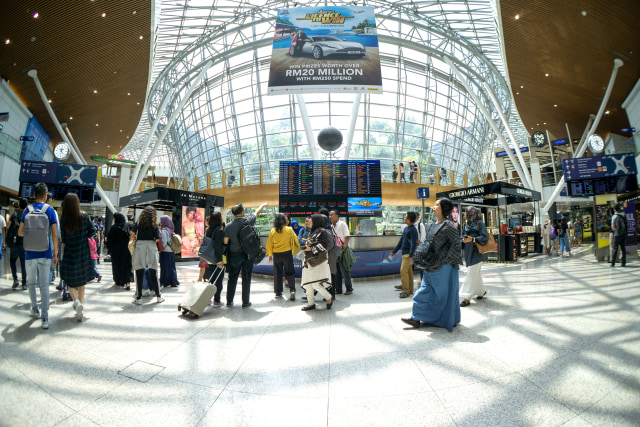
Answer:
(510, 213)
(187, 209)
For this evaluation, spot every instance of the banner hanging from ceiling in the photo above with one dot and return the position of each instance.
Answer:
(325, 49)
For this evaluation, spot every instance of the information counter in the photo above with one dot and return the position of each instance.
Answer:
(372, 257)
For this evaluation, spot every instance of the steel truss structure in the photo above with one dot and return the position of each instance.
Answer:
(425, 114)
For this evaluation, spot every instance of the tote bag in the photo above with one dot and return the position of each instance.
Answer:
(489, 247)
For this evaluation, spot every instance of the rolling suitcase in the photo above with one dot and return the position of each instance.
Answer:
(198, 297)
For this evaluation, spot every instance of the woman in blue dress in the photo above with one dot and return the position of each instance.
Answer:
(436, 303)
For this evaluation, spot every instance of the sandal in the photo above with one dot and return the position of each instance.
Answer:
(464, 303)
(404, 295)
(481, 296)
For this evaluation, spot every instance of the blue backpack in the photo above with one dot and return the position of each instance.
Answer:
(552, 232)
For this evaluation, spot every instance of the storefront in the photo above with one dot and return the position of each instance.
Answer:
(511, 213)
(187, 209)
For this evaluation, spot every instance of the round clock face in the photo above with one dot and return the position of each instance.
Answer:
(538, 139)
(596, 144)
(62, 151)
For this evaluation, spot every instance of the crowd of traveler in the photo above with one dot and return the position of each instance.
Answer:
(143, 251)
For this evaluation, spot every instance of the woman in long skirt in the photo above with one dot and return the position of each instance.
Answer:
(474, 231)
(436, 303)
(316, 274)
(118, 246)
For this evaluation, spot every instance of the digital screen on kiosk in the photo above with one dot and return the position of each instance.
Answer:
(307, 186)
(364, 206)
(192, 230)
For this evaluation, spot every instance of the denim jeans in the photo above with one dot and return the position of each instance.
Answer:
(38, 273)
(14, 254)
(564, 243)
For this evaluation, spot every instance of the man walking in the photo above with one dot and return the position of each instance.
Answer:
(342, 231)
(237, 258)
(16, 251)
(38, 254)
(408, 244)
(619, 227)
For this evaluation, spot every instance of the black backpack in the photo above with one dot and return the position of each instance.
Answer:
(12, 232)
(250, 243)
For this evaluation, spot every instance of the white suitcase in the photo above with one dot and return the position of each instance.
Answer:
(198, 297)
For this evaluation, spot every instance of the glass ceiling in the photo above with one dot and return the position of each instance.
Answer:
(228, 122)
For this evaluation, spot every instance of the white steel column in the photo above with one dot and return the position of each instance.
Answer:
(34, 75)
(172, 119)
(617, 63)
(505, 122)
(307, 127)
(147, 141)
(486, 115)
(352, 125)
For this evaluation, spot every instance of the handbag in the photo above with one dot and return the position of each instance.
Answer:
(490, 246)
(295, 244)
(317, 259)
(207, 251)
(160, 245)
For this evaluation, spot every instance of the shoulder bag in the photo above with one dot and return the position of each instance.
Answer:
(490, 246)
(423, 252)
(295, 244)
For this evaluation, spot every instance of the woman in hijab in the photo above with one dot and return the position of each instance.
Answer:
(118, 247)
(316, 274)
(436, 303)
(168, 275)
(474, 231)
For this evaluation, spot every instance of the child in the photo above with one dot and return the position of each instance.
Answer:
(94, 257)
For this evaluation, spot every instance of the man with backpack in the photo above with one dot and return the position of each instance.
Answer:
(37, 225)
(15, 246)
(237, 259)
(619, 227)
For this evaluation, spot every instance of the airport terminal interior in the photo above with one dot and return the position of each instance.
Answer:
(521, 114)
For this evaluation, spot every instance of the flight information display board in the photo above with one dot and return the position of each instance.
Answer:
(306, 186)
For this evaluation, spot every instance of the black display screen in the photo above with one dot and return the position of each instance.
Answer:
(306, 186)
(85, 194)
(614, 185)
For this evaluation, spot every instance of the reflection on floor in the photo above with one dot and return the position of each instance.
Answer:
(556, 342)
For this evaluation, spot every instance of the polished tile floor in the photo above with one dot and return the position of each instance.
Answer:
(556, 342)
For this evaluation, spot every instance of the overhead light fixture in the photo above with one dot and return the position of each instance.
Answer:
(128, 93)
(606, 112)
(35, 15)
(95, 91)
(7, 41)
(49, 101)
(96, 142)
(104, 14)
(521, 87)
(517, 93)
(97, 124)
(134, 12)
(555, 105)
(120, 130)
(517, 17)
(583, 13)
(138, 103)
(140, 37)
(546, 74)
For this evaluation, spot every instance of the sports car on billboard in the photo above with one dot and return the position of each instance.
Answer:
(321, 46)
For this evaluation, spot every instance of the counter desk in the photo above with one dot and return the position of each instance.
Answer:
(372, 257)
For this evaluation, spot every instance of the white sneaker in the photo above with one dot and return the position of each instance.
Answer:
(79, 309)
(35, 313)
(45, 324)
(146, 292)
(137, 301)
(159, 299)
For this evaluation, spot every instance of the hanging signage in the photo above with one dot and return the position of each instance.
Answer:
(599, 166)
(325, 49)
(26, 138)
(504, 153)
(4, 117)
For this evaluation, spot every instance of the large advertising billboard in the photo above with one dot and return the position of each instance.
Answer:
(325, 49)
(192, 230)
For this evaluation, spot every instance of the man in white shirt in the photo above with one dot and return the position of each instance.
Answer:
(342, 231)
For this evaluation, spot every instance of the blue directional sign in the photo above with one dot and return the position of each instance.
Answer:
(422, 193)
(599, 166)
(628, 130)
(26, 138)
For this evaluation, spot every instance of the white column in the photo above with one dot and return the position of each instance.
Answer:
(352, 125)
(172, 119)
(617, 63)
(34, 75)
(307, 127)
(486, 115)
(505, 122)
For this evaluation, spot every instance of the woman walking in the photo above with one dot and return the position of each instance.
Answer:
(474, 231)
(118, 246)
(563, 234)
(316, 274)
(436, 303)
(401, 171)
(280, 246)
(546, 241)
(168, 275)
(76, 266)
(145, 254)
(215, 231)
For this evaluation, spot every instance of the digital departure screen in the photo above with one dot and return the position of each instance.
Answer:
(615, 185)
(306, 186)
